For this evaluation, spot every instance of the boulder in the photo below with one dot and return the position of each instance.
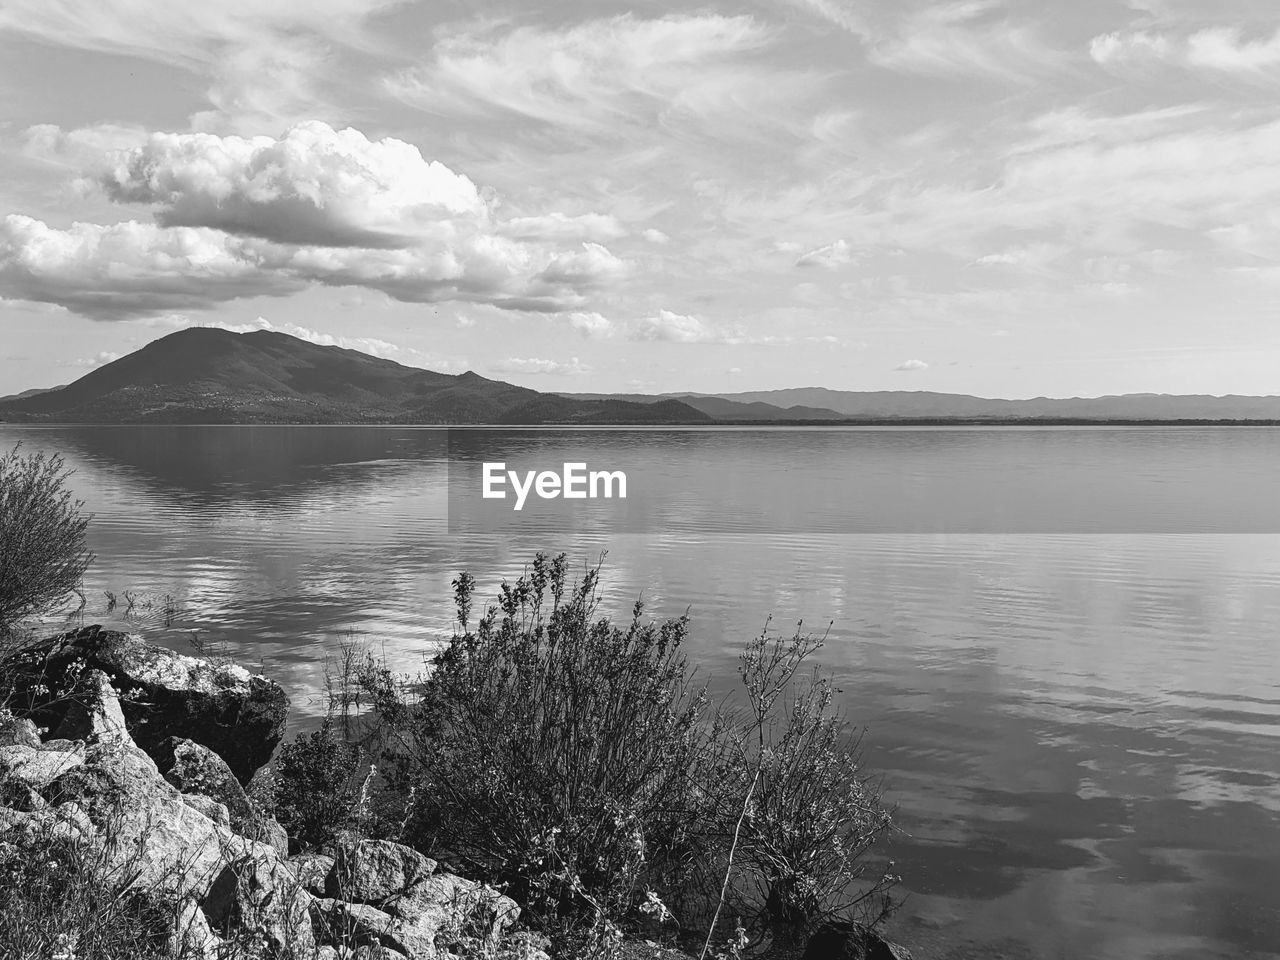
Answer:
(312, 871)
(238, 715)
(192, 938)
(93, 712)
(450, 907)
(373, 871)
(198, 772)
(18, 732)
(362, 926)
(258, 898)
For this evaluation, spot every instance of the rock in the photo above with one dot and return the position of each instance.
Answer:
(192, 938)
(17, 732)
(852, 941)
(312, 870)
(361, 925)
(373, 871)
(199, 772)
(34, 767)
(215, 811)
(239, 716)
(260, 898)
(449, 905)
(195, 769)
(94, 711)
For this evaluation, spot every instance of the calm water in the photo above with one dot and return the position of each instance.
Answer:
(1081, 725)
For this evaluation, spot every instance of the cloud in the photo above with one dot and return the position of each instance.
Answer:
(313, 185)
(1220, 51)
(100, 359)
(610, 76)
(833, 255)
(965, 38)
(240, 217)
(263, 61)
(590, 324)
(559, 226)
(909, 366)
(655, 236)
(535, 365)
(675, 327)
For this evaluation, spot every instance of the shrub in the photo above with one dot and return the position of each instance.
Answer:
(551, 749)
(42, 536)
(313, 791)
(575, 761)
(806, 817)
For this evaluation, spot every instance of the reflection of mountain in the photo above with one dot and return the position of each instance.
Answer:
(206, 375)
(252, 463)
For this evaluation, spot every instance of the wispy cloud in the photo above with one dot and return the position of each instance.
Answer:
(911, 366)
(1222, 52)
(971, 37)
(537, 365)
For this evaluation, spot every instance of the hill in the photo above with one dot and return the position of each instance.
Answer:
(821, 404)
(207, 375)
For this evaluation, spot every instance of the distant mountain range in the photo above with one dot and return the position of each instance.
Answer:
(816, 404)
(207, 375)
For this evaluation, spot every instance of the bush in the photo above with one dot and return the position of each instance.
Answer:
(576, 762)
(550, 749)
(43, 555)
(313, 792)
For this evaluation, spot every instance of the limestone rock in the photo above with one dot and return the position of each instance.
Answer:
(238, 715)
(312, 870)
(374, 871)
(94, 711)
(259, 897)
(16, 732)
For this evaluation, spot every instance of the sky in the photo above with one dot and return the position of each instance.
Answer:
(1009, 198)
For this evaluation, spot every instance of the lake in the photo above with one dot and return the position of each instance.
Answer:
(1062, 642)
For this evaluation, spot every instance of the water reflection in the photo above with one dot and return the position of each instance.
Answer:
(1081, 731)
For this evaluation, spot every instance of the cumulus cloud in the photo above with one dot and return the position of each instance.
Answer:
(656, 236)
(590, 324)
(537, 365)
(99, 359)
(674, 327)
(832, 255)
(240, 217)
(909, 366)
(314, 185)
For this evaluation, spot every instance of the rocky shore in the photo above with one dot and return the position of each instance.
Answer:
(146, 758)
(144, 754)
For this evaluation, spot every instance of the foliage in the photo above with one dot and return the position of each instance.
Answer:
(575, 762)
(314, 797)
(550, 749)
(43, 555)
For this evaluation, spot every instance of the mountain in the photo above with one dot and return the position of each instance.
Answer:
(820, 403)
(207, 375)
(29, 393)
